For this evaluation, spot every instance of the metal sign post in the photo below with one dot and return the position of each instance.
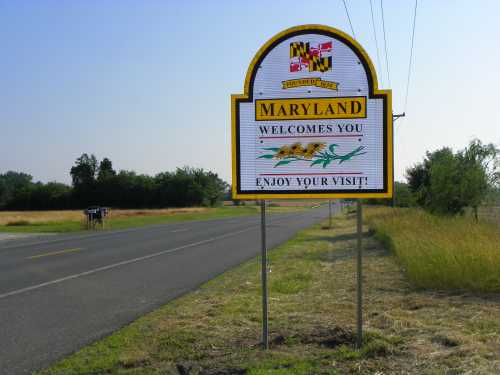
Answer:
(359, 289)
(265, 329)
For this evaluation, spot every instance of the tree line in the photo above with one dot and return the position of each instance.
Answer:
(97, 183)
(448, 182)
(445, 182)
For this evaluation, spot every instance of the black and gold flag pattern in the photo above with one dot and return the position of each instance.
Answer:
(310, 57)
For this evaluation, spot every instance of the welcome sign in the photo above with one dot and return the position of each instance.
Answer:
(312, 122)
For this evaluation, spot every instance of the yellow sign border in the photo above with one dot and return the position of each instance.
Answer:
(376, 91)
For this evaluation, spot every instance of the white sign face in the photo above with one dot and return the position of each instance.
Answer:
(312, 122)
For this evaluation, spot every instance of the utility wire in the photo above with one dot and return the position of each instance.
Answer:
(349, 18)
(411, 53)
(376, 41)
(385, 43)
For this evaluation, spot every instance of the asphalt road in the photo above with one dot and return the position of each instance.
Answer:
(60, 293)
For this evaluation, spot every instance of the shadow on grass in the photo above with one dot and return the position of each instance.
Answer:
(349, 247)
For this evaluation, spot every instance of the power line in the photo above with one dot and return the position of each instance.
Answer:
(349, 18)
(385, 44)
(411, 53)
(376, 41)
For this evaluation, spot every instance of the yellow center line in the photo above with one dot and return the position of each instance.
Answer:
(55, 253)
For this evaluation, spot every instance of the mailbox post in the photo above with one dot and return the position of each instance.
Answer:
(95, 215)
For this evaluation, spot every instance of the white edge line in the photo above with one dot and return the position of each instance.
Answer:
(122, 263)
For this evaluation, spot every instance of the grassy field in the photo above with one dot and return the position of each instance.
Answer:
(73, 220)
(441, 252)
(37, 217)
(215, 330)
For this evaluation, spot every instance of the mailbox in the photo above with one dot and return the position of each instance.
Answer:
(95, 215)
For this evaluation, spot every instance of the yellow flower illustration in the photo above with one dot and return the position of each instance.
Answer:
(315, 147)
(297, 149)
(284, 151)
(315, 153)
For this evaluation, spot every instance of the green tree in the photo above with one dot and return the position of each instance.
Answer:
(419, 176)
(487, 156)
(3, 193)
(445, 193)
(11, 183)
(188, 187)
(83, 175)
(84, 171)
(447, 182)
(404, 197)
(50, 196)
(481, 166)
(106, 170)
(106, 184)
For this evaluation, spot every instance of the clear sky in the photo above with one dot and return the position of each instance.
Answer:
(147, 83)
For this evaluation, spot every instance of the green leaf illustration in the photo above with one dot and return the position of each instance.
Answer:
(323, 158)
(282, 162)
(317, 161)
(332, 148)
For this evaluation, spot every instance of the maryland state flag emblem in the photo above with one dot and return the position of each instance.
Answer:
(303, 56)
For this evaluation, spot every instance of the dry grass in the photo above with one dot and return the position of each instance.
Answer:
(35, 217)
(216, 329)
(441, 252)
(73, 221)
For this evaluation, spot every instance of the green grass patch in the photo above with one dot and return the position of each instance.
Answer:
(25, 226)
(441, 252)
(44, 227)
(292, 283)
